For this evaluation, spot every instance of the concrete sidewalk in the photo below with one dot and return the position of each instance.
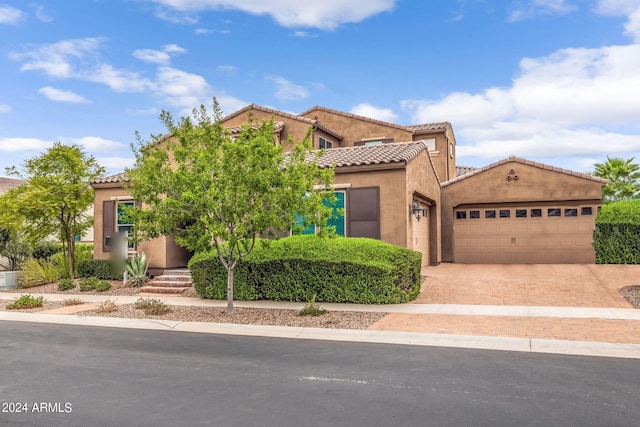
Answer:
(610, 332)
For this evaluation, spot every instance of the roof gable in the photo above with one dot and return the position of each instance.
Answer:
(513, 159)
(396, 153)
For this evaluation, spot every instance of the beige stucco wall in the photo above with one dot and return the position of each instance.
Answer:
(392, 199)
(163, 252)
(423, 184)
(534, 185)
(354, 129)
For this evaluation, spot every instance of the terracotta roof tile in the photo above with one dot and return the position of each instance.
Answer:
(7, 184)
(398, 152)
(430, 126)
(526, 162)
(119, 177)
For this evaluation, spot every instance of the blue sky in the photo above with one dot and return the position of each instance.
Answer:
(556, 81)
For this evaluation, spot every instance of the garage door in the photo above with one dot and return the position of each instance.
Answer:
(524, 234)
(421, 237)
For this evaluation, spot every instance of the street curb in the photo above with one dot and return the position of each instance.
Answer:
(530, 345)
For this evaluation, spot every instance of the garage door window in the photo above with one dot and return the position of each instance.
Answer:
(505, 213)
(521, 213)
(536, 213)
(490, 214)
(554, 212)
(570, 212)
(474, 214)
(587, 210)
(461, 215)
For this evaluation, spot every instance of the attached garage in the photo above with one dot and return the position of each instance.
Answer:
(517, 211)
(559, 234)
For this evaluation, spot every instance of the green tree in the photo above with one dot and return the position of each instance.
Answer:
(56, 198)
(210, 190)
(13, 247)
(623, 176)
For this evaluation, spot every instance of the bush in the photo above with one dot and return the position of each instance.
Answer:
(44, 250)
(94, 284)
(107, 306)
(137, 269)
(152, 306)
(100, 268)
(616, 239)
(72, 301)
(312, 308)
(26, 301)
(66, 284)
(296, 268)
(38, 272)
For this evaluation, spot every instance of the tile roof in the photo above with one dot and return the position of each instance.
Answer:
(7, 184)
(277, 127)
(119, 177)
(397, 152)
(462, 170)
(300, 118)
(425, 127)
(526, 162)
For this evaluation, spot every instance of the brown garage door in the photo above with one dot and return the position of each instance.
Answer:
(524, 234)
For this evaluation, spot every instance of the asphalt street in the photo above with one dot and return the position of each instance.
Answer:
(60, 375)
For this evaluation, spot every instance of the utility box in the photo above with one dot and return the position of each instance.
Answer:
(9, 279)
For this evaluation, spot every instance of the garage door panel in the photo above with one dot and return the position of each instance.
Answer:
(530, 239)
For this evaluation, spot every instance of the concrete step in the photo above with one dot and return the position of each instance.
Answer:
(169, 284)
(173, 278)
(161, 290)
(177, 272)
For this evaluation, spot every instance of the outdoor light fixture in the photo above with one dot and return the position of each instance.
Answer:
(417, 210)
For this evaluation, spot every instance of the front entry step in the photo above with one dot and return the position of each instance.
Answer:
(170, 282)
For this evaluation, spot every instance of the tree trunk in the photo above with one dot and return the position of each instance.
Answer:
(230, 309)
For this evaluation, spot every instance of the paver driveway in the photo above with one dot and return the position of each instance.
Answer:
(559, 285)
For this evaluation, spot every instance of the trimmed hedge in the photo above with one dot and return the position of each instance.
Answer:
(616, 238)
(334, 269)
(99, 268)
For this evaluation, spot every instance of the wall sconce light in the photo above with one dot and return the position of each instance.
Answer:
(417, 210)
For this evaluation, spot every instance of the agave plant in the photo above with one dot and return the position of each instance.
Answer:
(137, 269)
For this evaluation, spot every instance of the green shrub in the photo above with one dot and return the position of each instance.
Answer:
(38, 272)
(137, 269)
(100, 268)
(616, 238)
(334, 269)
(66, 284)
(26, 301)
(152, 306)
(312, 308)
(44, 250)
(94, 284)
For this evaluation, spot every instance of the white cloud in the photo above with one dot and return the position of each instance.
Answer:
(368, 110)
(227, 69)
(327, 14)
(157, 56)
(202, 31)
(57, 59)
(62, 95)
(14, 145)
(116, 163)
(4, 108)
(40, 13)
(94, 143)
(10, 15)
(528, 9)
(574, 102)
(177, 17)
(182, 89)
(288, 91)
(626, 8)
(117, 80)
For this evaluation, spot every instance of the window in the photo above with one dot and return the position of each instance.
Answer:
(505, 213)
(474, 214)
(461, 214)
(123, 221)
(521, 213)
(571, 212)
(336, 220)
(451, 150)
(490, 214)
(324, 143)
(372, 143)
(536, 213)
(554, 212)
(587, 210)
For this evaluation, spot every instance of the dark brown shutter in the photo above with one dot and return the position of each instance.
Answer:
(108, 223)
(364, 212)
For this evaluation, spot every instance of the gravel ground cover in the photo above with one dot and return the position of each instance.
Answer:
(52, 288)
(48, 305)
(632, 294)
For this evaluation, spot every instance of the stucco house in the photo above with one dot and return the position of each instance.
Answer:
(401, 184)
